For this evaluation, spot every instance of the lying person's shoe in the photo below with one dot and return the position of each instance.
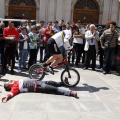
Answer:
(73, 94)
(51, 70)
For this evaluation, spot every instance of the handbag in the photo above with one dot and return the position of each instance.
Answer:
(107, 43)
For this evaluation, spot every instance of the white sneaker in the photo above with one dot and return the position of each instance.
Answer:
(19, 70)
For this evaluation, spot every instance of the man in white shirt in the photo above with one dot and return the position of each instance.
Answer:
(54, 43)
(78, 41)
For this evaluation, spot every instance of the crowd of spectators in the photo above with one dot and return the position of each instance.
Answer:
(23, 42)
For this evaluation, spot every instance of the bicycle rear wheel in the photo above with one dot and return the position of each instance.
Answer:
(36, 71)
(70, 77)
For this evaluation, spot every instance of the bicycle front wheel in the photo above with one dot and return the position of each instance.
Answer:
(36, 71)
(70, 77)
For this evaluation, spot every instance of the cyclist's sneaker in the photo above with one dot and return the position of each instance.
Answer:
(66, 81)
(73, 94)
(51, 70)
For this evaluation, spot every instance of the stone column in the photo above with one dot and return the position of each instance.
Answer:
(59, 10)
(2, 8)
(101, 6)
(118, 22)
(106, 10)
(43, 10)
(114, 10)
(67, 10)
(51, 10)
(37, 10)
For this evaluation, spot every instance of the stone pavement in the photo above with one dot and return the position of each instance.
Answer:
(99, 99)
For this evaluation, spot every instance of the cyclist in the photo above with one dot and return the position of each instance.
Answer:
(32, 85)
(55, 42)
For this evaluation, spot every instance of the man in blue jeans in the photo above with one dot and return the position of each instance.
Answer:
(32, 85)
(109, 36)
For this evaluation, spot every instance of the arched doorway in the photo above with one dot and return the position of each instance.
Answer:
(87, 11)
(22, 9)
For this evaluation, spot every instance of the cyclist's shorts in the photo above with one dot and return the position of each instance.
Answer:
(52, 47)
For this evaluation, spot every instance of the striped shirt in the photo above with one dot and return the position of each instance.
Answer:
(108, 35)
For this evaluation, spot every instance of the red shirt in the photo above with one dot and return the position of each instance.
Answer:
(47, 34)
(14, 89)
(23, 85)
(11, 32)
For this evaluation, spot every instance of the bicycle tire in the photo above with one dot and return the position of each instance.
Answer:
(70, 83)
(34, 75)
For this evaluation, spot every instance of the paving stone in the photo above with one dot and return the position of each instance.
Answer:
(66, 115)
(32, 115)
(5, 115)
(92, 106)
(61, 106)
(30, 106)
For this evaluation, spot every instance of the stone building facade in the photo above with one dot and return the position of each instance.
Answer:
(89, 11)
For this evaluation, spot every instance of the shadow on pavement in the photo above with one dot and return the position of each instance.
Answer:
(89, 88)
(20, 74)
(24, 73)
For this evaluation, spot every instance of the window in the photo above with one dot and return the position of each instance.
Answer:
(89, 4)
(26, 2)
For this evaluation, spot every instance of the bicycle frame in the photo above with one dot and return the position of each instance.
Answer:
(64, 62)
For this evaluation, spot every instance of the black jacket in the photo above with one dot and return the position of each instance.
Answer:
(2, 42)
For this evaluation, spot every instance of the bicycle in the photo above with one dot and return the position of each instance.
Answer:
(69, 76)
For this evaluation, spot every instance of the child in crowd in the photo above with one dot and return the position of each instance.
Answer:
(41, 44)
(23, 48)
(34, 38)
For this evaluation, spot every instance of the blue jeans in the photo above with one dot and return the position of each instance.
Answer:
(107, 60)
(22, 57)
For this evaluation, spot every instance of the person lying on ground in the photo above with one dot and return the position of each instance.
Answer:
(33, 85)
